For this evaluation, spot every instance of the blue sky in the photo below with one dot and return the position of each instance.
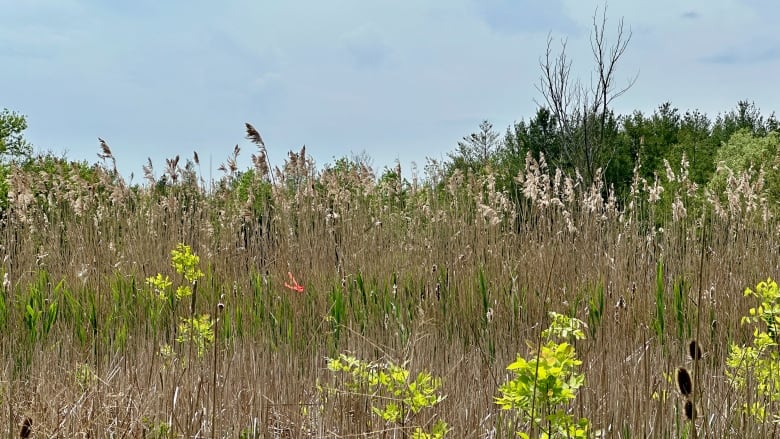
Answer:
(400, 80)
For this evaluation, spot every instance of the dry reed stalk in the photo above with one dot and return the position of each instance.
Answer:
(278, 352)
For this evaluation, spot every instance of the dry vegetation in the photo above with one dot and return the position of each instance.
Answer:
(445, 273)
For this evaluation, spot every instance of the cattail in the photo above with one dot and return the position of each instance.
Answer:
(26, 428)
(684, 382)
(690, 411)
(694, 350)
(195, 157)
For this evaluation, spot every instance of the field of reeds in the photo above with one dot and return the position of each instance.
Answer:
(112, 328)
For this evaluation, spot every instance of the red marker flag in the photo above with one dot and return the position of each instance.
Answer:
(293, 285)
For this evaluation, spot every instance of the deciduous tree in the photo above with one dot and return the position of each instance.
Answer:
(12, 143)
(583, 111)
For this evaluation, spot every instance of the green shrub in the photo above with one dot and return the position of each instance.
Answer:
(543, 386)
(755, 370)
(195, 329)
(394, 397)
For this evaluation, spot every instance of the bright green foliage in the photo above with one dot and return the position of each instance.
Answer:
(564, 327)
(160, 285)
(745, 150)
(186, 263)
(755, 369)
(543, 386)
(39, 312)
(395, 398)
(12, 143)
(596, 309)
(183, 291)
(198, 330)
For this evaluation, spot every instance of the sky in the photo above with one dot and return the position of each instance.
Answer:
(399, 80)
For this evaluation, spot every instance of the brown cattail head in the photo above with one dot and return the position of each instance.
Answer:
(694, 350)
(690, 411)
(684, 382)
(26, 428)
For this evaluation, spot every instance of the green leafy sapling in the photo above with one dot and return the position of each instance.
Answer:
(541, 388)
(195, 329)
(755, 369)
(395, 398)
(186, 263)
(198, 330)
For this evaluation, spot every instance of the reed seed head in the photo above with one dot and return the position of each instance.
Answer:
(253, 135)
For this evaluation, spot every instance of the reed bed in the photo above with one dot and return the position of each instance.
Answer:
(443, 273)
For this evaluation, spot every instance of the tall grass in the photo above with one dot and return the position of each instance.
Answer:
(454, 278)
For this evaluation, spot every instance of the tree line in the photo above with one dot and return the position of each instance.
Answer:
(738, 139)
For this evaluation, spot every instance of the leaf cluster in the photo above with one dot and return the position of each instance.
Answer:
(396, 398)
(12, 143)
(196, 329)
(755, 369)
(541, 387)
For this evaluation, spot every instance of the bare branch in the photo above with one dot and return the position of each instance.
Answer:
(583, 111)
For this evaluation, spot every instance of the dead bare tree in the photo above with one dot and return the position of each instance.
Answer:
(583, 112)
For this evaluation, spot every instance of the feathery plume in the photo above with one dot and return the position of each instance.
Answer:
(253, 135)
(148, 169)
(106, 150)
